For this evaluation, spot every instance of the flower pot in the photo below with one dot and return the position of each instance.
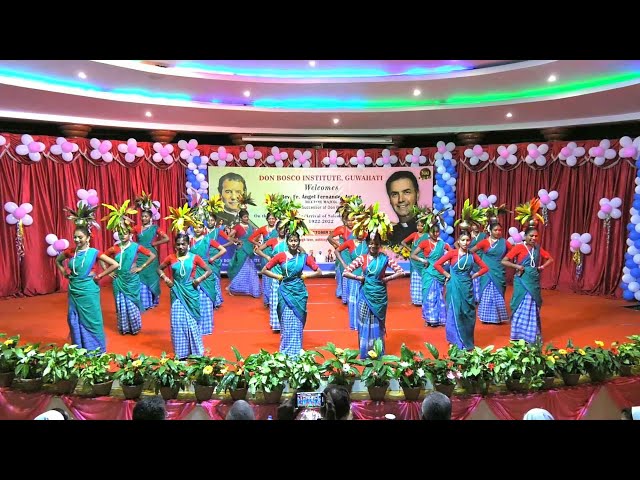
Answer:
(571, 379)
(411, 394)
(132, 392)
(597, 375)
(203, 392)
(273, 396)
(6, 378)
(376, 394)
(28, 384)
(475, 387)
(101, 389)
(169, 393)
(64, 387)
(238, 394)
(625, 371)
(517, 385)
(548, 384)
(446, 388)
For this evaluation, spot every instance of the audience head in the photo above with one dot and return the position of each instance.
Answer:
(287, 409)
(337, 403)
(436, 406)
(53, 414)
(150, 408)
(538, 414)
(632, 413)
(240, 410)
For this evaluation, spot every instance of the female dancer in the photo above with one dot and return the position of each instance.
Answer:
(476, 237)
(185, 298)
(126, 282)
(84, 313)
(267, 232)
(292, 293)
(526, 301)
(461, 307)
(492, 308)
(210, 251)
(336, 238)
(434, 312)
(354, 248)
(268, 250)
(242, 270)
(149, 236)
(411, 243)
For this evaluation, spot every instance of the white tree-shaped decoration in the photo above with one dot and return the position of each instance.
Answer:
(415, 158)
(301, 159)
(250, 155)
(386, 160)
(30, 147)
(333, 160)
(64, 148)
(360, 160)
(131, 150)
(444, 151)
(630, 148)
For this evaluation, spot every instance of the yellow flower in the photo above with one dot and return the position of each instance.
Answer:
(599, 343)
(9, 342)
(163, 361)
(372, 354)
(551, 359)
(28, 349)
(137, 363)
(224, 370)
(339, 351)
(562, 351)
(207, 370)
(581, 351)
(556, 357)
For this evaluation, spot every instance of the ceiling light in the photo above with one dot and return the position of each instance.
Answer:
(509, 115)
(336, 121)
(82, 75)
(246, 93)
(147, 114)
(416, 92)
(552, 78)
(312, 63)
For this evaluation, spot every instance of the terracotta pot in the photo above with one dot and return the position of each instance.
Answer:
(625, 370)
(549, 383)
(571, 379)
(475, 387)
(64, 387)
(273, 396)
(445, 388)
(132, 392)
(28, 384)
(411, 394)
(6, 378)
(101, 389)
(203, 392)
(239, 394)
(169, 393)
(376, 394)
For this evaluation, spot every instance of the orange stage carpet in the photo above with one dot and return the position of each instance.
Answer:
(243, 322)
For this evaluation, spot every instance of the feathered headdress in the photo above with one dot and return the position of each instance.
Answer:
(245, 200)
(145, 202)
(528, 213)
(349, 204)
(83, 215)
(373, 222)
(470, 216)
(215, 204)
(118, 217)
(181, 218)
(293, 223)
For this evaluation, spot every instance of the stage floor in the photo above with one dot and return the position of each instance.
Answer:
(243, 322)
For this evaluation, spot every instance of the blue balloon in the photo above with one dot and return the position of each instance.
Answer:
(638, 163)
(631, 227)
(628, 295)
(205, 196)
(195, 185)
(196, 160)
(634, 235)
(629, 264)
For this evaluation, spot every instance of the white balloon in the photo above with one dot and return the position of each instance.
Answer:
(615, 202)
(204, 185)
(445, 200)
(451, 182)
(602, 215)
(95, 154)
(599, 161)
(634, 211)
(541, 161)
(27, 220)
(632, 250)
(634, 287)
(585, 248)
(492, 199)
(551, 205)
(637, 227)
(513, 231)
(627, 278)
(542, 192)
(11, 220)
(441, 170)
(446, 176)
(571, 161)
(603, 201)
(52, 252)
(637, 189)
(575, 236)
(637, 295)
(449, 230)
(22, 150)
(585, 237)
(635, 219)
(616, 213)
(439, 163)
(51, 238)
(553, 195)
(636, 259)
(629, 244)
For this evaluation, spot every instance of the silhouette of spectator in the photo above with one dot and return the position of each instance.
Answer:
(337, 403)
(240, 410)
(436, 406)
(150, 408)
(53, 414)
(632, 413)
(538, 414)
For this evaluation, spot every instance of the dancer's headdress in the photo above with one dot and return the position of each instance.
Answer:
(145, 202)
(118, 217)
(527, 213)
(470, 215)
(373, 222)
(294, 223)
(181, 218)
(83, 215)
(350, 205)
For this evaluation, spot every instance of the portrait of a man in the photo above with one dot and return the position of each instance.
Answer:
(403, 191)
(231, 187)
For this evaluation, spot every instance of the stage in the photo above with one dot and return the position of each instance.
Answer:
(243, 322)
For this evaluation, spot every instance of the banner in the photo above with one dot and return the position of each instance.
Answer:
(319, 190)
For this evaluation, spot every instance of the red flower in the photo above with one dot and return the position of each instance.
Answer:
(251, 374)
(614, 350)
(240, 363)
(491, 366)
(408, 373)
(416, 358)
(570, 350)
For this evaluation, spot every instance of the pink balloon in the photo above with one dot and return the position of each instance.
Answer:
(67, 147)
(251, 154)
(606, 208)
(19, 213)
(93, 201)
(164, 151)
(598, 151)
(545, 199)
(629, 152)
(132, 148)
(385, 160)
(360, 160)
(575, 244)
(477, 150)
(58, 245)
(484, 203)
(104, 148)
(566, 152)
(534, 154)
(505, 153)
(333, 160)
(517, 237)
(222, 153)
(34, 147)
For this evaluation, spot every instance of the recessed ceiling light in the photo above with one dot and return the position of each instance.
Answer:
(312, 63)
(416, 92)
(246, 93)
(148, 114)
(82, 75)
(552, 78)
(336, 121)
(509, 115)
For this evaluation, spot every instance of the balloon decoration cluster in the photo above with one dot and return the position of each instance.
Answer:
(631, 271)
(19, 216)
(579, 245)
(445, 187)
(486, 201)
(56, 245)
(609, 209)
(88, 197)
(250, 155)
(197, 177)
(548, 202)
(515, 236)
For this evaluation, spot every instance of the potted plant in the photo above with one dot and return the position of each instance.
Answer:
(96, 372)
(62, 367)
(8, 359)
(628, 355)
(410, 372)
(341, 369)
(131, 374)
(378, 371)
(519, 366)
(268, 373)
(476, 366)
(441, 371)
(306, 373)
(205, 372)
(234, 378)
(169, 375)
(29, 367)
(570, 363)
(600, 363)
(550, 371)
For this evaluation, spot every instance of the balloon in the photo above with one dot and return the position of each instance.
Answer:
(606, 208)
(485, 204)
(492, 199)
(585, 238)
(602, 215)
(10, 207)
(616, 213)
(634, 287)
(27, 220)
(517, 238)
(551, 205)
(627, 295)
(59, 245)
(603, 201)
(575, 236)
(627, 278)
(545, 199)
(19, 213)
(82, 194)
(27, 207)
(585, 248)
(93, 201)
(66, 243)
(636, 259)
(445, 200)
(513, 231)
(11, 220)
(615, 202)
(575, 244)
(204, 184)
(104, 148)
(50, 238)
(51, 251)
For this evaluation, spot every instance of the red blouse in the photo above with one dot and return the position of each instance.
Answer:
(363, 261)
(426, 246)
(452, 257)
(411, 238)
(485, 246)
(272, 242)
(260, 231)
(113, 251)
(520, 251)
(341, 231)
(349, 244)
(197, 262)
(281, 258)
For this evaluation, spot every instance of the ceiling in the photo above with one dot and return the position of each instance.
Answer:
(323, 97)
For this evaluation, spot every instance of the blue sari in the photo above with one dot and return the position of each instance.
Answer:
(185, 310)
(372, 304)
(242, 270)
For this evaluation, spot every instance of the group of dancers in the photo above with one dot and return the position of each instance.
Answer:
(448, 283)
